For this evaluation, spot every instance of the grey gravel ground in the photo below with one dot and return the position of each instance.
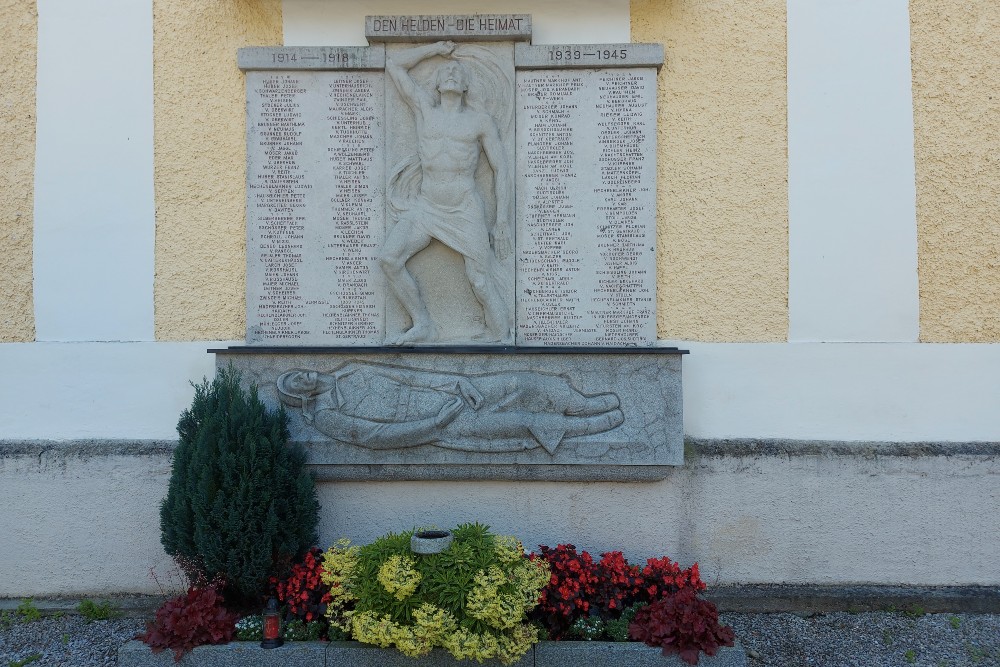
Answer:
(876, 639)
(776, 640)
(68, 640)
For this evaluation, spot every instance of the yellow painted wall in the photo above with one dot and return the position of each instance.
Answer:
(956, 108)
(17, 167)
(200, 162)
(723, 165)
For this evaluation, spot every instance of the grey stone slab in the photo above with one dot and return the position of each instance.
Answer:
(586, 207)
(357, 408)
(633, 654)
(353, 654)
(563, 56)
(450, 193)
(235, 654)
(455, 27)
(270, 58)
(315, 208)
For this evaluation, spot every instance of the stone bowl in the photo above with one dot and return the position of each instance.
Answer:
(430, 541)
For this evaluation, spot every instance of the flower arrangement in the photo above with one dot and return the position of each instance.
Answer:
(472, 599)
(615, 600)
(481, 598)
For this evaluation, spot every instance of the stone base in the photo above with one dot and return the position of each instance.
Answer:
(353, 654)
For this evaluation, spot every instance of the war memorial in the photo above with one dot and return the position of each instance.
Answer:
(451, 254)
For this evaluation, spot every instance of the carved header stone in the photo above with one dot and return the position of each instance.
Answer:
(455, 27)
(264, 58)
(562, 56)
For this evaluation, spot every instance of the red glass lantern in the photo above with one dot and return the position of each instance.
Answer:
(272, 626)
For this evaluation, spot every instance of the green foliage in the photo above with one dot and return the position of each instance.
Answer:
(976, 653)
(297, 630)
(34, 657)
(240, 505)
(93, 611)
(6, 620)
(887, 637)
(617, 629)
(915, 611)
(471, 599)
(27, 611)
(955, 622)
(910, 656)
(446, 578)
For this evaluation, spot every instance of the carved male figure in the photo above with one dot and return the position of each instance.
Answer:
(380, 406)
(448, 207)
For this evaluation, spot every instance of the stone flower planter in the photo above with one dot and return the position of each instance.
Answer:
(353, 654)
(430, 541)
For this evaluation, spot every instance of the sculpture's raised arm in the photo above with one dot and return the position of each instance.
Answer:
(399, 63)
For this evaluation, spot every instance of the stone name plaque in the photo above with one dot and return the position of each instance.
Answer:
(586, 206)
(315, 207)
(444, 408)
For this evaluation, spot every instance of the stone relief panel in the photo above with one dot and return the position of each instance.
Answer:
(382, 406)
(468, 408)
(448, 254)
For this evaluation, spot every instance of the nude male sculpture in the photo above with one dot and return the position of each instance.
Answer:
(448, 207)
(381, 406)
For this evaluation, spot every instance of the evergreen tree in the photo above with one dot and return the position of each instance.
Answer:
(241, 503)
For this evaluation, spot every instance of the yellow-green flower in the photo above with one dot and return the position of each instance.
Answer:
(339, 563)
(399, 576)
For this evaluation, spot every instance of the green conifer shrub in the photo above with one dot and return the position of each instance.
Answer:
(240, 505)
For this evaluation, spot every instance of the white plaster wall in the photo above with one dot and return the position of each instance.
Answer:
(94, 225)
(839, 519)
(342, 22)
(860, 391)
(80, 525)
(851, 183)
(891, 392)
(55, 391)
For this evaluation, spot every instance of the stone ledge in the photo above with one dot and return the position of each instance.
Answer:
(757, 447)
(696, 447)
(353, 654)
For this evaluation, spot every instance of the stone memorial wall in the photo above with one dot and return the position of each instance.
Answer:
(341, 159)
(451, 255)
